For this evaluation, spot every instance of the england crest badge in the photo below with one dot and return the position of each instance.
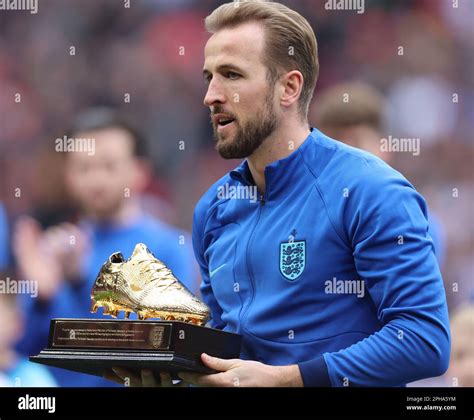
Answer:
(292, 259)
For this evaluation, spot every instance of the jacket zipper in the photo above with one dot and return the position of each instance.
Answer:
(243, 318)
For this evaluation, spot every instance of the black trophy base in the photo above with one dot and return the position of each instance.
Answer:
(93, 346)
(95, 362)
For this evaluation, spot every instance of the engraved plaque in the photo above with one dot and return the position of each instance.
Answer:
(111, 334)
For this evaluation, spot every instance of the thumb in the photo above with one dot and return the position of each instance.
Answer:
(215, 363)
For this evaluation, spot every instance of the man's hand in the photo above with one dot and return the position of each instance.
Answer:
(34, 260)
(48, 257)
(231, 372)
(145, 379)
(68, 244)
(244, 373)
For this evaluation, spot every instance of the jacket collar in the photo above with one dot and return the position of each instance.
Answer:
(281, 174)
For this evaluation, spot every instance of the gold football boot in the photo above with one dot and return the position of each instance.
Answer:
(144, 285)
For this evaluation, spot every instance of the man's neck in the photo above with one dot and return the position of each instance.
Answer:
(283, 142)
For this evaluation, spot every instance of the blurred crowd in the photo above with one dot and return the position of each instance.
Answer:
(144, 59)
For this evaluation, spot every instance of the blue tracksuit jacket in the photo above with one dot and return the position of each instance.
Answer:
(333, 269)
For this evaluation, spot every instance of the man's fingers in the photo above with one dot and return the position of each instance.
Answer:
(74, 232)
(221, 365)
(145, 379)
(128, 378)
(57, 240)
(198, 379)
(111, 376)
(192, 378)
(165, 379)
(148, 379)
(26, 235)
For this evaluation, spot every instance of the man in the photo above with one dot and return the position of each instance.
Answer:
(106, 185)
(15, 367)
(352, 112)
(330, 276)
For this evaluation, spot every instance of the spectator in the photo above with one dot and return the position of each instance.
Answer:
(65, 259)
(353, 113)
(14, 368)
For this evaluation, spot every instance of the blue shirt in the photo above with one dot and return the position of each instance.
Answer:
(4, 241)
(26, 374)
(333, 269)
(168, 244)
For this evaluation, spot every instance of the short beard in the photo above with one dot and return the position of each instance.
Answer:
(250, 136)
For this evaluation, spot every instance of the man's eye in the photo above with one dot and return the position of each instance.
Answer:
(208, 79)
(232, 76)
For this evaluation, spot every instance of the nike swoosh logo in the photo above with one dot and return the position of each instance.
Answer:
(211, 273)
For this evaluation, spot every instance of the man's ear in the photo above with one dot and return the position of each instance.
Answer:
(292, 87)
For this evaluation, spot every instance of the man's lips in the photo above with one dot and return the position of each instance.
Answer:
(221, 119)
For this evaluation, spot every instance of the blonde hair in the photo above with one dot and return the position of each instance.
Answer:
(290, 41)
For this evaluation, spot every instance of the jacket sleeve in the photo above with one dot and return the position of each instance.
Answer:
(206, 287)
(386, 224)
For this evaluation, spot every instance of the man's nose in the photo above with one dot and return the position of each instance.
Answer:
(214, 94)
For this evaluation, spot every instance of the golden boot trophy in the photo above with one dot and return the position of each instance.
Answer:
(142, 285)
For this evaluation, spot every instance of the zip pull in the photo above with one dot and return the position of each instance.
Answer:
(262, 200)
